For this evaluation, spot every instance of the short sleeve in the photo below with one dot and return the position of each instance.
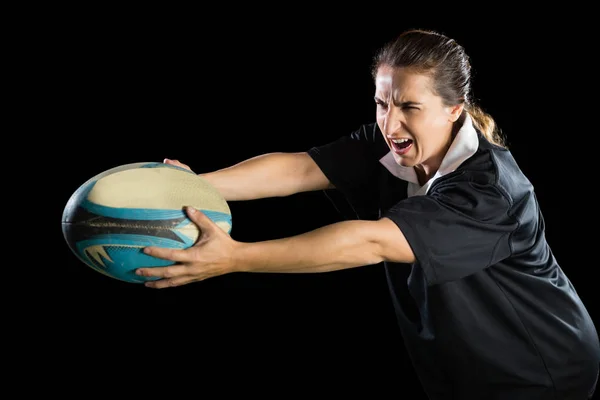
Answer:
(458, 229)
(350, 164)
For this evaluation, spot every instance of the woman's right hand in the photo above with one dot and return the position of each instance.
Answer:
(177, 164)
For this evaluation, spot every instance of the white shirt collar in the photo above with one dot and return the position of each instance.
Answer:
(463, 146)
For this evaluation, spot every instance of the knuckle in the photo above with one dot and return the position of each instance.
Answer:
(168, 273)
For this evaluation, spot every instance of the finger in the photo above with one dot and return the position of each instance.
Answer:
(172, 271)
(171, 282)
(178, 255)
(205, 224)
(175, 163)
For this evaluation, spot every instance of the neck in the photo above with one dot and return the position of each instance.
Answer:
(428, 169)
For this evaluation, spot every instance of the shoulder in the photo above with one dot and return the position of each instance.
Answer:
(365, 138)
(368, 133)
(489, 177)
(497, 164)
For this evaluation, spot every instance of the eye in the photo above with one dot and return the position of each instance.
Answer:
(380, 103)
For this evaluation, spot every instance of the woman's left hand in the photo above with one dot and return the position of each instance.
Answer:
(210, 256)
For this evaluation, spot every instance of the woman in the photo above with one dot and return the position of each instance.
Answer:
(484, 308)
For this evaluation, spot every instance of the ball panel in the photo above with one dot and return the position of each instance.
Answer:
(131, 214)
(158, 188)
(119, 255)
(80, 194)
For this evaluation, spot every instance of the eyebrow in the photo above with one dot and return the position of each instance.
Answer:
(402, 104)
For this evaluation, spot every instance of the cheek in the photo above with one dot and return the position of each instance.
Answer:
(439, 120)
(380, 125)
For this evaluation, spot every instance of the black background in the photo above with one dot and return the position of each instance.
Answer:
(214, 88)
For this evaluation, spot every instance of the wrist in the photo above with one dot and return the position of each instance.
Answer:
(241, 257)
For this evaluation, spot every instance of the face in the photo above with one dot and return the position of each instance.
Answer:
(415, 123)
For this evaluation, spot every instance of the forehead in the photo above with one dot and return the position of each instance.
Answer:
(402, 82)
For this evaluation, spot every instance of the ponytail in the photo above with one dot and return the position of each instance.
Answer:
(486, 125)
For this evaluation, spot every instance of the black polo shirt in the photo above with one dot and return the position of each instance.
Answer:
(486, 305)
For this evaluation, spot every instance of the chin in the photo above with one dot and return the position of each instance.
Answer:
(403, 161)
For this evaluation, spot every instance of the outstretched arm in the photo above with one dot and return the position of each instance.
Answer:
(266, 175)
(341, 245)
(337, 246)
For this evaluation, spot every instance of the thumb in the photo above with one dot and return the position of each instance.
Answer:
(205, 224)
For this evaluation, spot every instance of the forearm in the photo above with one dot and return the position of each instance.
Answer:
(268, 175)
(338, 246)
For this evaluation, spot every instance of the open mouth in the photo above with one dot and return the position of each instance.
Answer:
(401, 146)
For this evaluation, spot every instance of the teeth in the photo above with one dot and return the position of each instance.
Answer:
(399, 140)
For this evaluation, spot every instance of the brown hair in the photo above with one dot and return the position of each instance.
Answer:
(447, 63)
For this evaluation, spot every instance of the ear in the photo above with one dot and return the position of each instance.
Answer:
(454, 112)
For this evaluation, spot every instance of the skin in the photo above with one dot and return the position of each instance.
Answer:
(406, 108)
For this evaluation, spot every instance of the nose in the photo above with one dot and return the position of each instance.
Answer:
(392, 121)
